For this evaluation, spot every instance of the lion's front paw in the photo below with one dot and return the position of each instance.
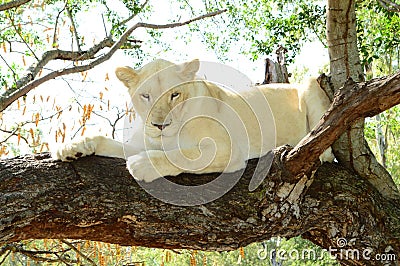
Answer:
(75, 150)
(141, 168)
(149, 166)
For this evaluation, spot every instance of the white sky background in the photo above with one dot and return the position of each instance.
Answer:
(90, 25)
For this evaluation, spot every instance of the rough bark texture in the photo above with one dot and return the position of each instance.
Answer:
(276, 72)
(351, 148)
(84, 199)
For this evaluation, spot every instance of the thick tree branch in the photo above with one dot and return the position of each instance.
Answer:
(12, 4)
(28, 82)
(42, 198)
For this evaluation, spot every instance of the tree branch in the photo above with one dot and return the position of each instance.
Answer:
(143, 5)
(390, 5)
(28, 82)
(73, 25)
(85, 200)
(12, 4)
(352, 102)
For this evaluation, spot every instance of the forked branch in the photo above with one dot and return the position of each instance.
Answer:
(352, 102)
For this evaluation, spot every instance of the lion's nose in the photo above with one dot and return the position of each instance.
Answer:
(160, 126)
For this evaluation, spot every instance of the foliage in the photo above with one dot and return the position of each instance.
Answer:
(378, 38)
(391, 129)
(262, 26)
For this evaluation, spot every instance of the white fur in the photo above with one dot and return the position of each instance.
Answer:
(188, 125)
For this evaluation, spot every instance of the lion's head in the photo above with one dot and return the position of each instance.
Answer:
(159, 93)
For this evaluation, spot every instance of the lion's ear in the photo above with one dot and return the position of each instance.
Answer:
(127, 75)
(188, 70)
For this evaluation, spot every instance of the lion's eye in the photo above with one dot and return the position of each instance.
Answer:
(145, 96)
(175, 95)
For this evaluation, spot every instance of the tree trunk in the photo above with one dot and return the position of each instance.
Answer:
(351, 148)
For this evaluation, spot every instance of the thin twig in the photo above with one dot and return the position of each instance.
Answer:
(11, 134)
(19, 126)
(130, 17)
(75, 32)
(9, 67)
(104, 24)
(35, 255)
(22, 38)
(78, 252)
(5, 257)
(56, 27)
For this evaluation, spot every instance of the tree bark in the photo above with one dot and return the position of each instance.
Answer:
(351, 148)
(84, 199)
(276, 72)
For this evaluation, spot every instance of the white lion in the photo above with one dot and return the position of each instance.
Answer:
(186, 124)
